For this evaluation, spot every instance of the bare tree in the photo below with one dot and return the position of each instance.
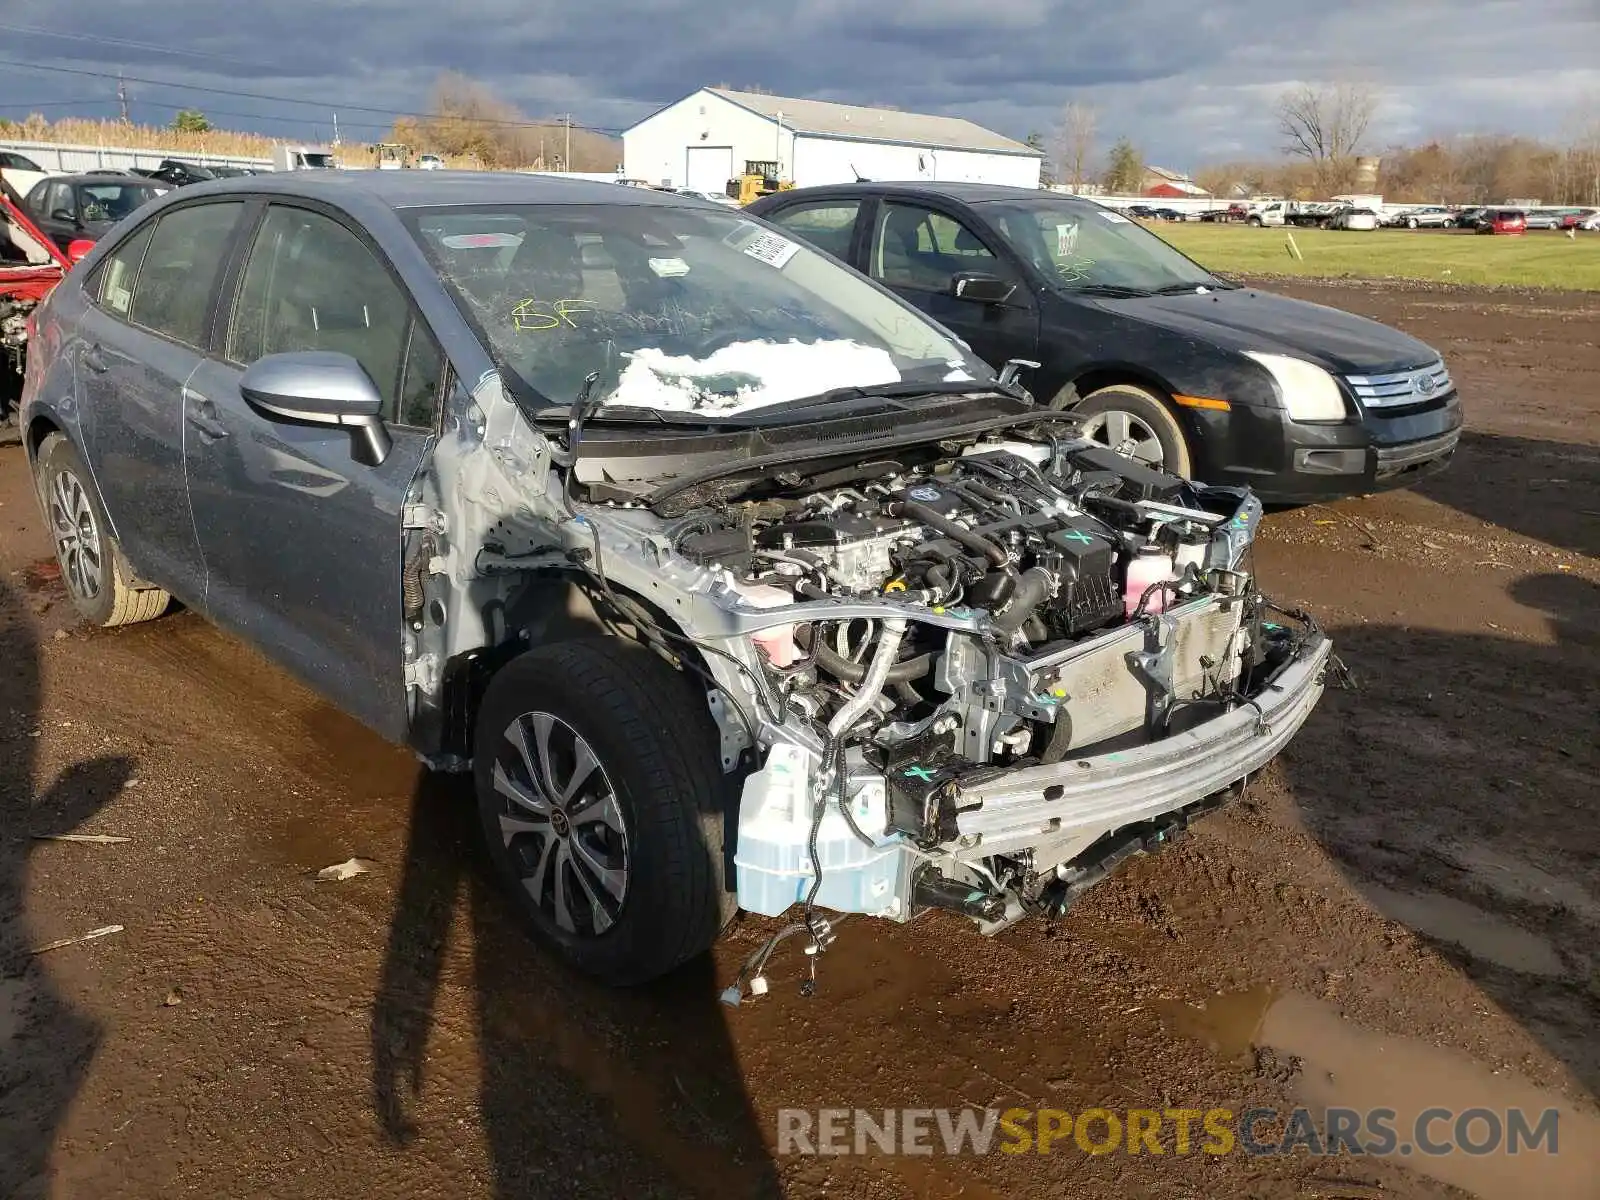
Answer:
(1325, 123)
(1073, 144)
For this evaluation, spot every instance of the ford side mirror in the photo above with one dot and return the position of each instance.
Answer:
(62, 215)
(321, 387)
(981, 288)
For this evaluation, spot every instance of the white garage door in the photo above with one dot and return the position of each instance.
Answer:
(710, 168)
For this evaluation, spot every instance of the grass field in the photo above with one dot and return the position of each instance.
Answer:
(1541, 258)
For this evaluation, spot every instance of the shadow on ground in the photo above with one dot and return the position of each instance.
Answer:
(46, 1044)
(586, 1091)
(1463, 807)
(1548, 491)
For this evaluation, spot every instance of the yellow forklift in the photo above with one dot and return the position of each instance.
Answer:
(760, 178)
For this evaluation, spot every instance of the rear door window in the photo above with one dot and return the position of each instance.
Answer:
(828, 225)
(173, 294)
(113, 285)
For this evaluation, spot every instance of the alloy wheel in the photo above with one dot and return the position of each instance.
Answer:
(562, 825)
(77, 537)
(1127, 434)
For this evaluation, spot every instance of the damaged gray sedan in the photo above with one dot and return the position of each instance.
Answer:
(734, 580)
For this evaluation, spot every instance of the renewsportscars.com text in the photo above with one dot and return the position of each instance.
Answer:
(1180, 1131)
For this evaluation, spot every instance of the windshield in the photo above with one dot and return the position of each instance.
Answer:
(112, 201)
(1082, 247)
(675, 309)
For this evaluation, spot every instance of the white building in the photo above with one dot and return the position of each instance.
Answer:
(707, 138)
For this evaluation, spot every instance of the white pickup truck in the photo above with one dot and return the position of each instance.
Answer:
(1292, 212)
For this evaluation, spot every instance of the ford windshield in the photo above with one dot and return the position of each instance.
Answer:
(1090, 250)
(677, 310)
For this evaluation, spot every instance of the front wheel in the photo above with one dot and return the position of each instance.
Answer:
(1136, 424)
(601, 799)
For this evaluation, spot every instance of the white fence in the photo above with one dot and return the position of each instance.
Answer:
(55, 158)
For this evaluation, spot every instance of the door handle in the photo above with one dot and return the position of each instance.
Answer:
(201, 413)
(93, 360)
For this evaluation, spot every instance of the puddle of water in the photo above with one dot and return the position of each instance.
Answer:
(1346, 1066)
(1481, 934)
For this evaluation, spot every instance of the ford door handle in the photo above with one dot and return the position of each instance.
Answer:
(93, 360)
(202, 414)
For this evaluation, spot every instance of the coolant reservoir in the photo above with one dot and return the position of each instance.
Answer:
(777, 643)
(1151, 565)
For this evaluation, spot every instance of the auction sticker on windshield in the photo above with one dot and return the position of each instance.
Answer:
(1115, 218)
(771, 249)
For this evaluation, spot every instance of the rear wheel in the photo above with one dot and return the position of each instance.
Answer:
(601, 799)
(99, 580)
(1138, 425)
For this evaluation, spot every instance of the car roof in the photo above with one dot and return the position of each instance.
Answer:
(967, 193)
(92, 177)
(366, 188)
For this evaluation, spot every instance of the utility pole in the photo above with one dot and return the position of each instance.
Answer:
(566, 119)
(335, 129)
(122, 97)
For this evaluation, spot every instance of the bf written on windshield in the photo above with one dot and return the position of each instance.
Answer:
(676, 309)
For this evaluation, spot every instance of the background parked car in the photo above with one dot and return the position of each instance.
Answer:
(1168, 363)
(1503, 220)
(1428, 216)
(1351, 217)
(1574, 218)
(20, 171)
(1542, 218)
(71, 208)
(179, 174)
(430, 162)
(1468, 218)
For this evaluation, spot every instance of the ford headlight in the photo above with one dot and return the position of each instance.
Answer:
(1309, 393)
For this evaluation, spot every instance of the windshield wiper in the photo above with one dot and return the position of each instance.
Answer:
(1114, 291)
(890, 393)
(1186, 289)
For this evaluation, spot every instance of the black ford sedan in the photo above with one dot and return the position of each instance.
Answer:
(1169, 363)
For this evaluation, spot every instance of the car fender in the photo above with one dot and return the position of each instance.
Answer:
(54, 403)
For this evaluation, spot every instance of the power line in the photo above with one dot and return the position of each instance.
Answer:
(57, 103)
(130, 44)
(323, 104)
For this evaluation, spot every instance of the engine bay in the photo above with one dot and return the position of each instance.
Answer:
(1045, 544)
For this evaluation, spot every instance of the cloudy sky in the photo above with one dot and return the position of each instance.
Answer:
(1190, 81)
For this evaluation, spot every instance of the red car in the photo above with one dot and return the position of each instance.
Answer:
(1503, 220)
(30, 265)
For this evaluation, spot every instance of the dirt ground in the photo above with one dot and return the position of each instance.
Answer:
(1403, 911)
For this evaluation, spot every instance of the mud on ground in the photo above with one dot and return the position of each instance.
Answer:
(1403, 911)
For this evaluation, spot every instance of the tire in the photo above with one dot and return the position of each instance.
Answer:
(1256, 221)
(1141, 407)
(627, 890)
(99, 580)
